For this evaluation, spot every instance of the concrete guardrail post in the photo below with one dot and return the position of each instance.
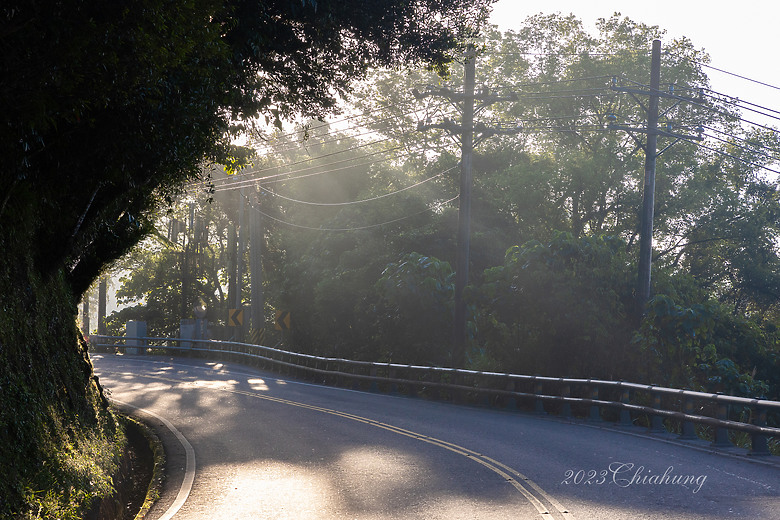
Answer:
(538, 403)
(595, 411)
(688, 428)
(373, 373)
(511, 402)
(759, 447)
(721, 439)
(392, 373)
(565, 392)
(656, 421)
(625, 415)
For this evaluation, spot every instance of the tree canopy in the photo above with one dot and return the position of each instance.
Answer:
(108, 108)
(361, 230)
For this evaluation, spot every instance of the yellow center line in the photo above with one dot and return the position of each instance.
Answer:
(535, 495)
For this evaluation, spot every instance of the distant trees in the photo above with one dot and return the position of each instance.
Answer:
(361, 230)
(563, 198)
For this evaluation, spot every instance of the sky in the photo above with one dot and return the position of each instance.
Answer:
(740, 37)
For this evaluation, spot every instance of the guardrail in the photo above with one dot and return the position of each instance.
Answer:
(719, 417)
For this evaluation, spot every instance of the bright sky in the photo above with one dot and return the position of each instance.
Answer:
(740, 37)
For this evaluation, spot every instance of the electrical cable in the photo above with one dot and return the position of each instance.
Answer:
(725, 154)
(737, 101)
(733, 74)
(349, 203)
(342, 133)
(756, 148)
(275, 178)
(247, 172)
(358, 228)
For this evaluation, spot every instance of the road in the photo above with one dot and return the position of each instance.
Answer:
(243, 443)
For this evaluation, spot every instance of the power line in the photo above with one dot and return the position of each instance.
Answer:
(739, 104)
(734, 74)
(340, 133)
(357, 228)
(737, 101)
(276, 178)
(230, 180)
(349, 203)
(731, 156)
(754, 147)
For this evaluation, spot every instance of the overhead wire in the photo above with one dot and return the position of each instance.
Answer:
(277, 177)
(754, 147)
(247, 172)
(355, 228)
(731, 156)
(735, 75)
(341, 133)
(371, 199)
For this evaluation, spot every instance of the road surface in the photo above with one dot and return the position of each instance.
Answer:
(243, 443)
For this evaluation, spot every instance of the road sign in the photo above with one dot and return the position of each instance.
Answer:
(235, 317)
(282, 320)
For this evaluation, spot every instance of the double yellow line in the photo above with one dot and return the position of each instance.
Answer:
(546, 506)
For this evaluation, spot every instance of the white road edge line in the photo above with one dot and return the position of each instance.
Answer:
(189, 472)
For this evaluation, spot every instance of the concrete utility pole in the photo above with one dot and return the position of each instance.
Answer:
(651, 155)
(102, 307)
(464, 132)
(240, 259)
(256, 267)
(464, 208)
(232, 258)
(648, 191)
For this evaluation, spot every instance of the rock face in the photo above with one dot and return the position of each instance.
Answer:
(132, 480)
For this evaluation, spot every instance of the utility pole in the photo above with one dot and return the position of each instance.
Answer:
(256, 267)
(651, 156)
(102, 306)
(232, 258)
(648, 191)
(464, 132)
(464, 207)
(186, 270)
(240, 259)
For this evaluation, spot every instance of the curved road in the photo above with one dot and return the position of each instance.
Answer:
(242, 443)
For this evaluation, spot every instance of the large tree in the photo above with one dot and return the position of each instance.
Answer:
(108, 108)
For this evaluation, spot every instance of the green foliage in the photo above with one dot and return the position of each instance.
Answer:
(559, 308)
(705, 347)
(414, 311)
(59, 443)
(108, 109)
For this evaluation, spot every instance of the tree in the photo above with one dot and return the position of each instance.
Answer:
(559, 308)
(183, 264)
(108, 109)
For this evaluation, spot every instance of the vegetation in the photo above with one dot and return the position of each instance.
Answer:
(108, 108)
(360, 232)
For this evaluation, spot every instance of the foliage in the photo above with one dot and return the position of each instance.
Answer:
(59, 443)
(705, 347)
(560, 308)
(108, 108)
(155, 271)
(566, 188)
(414, 311)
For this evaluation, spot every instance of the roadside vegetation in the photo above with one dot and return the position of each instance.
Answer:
(359, 228)
(108, 109)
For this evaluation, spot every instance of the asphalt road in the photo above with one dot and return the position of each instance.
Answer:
(244, 444)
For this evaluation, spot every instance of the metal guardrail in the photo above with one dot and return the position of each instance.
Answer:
(597, 400)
